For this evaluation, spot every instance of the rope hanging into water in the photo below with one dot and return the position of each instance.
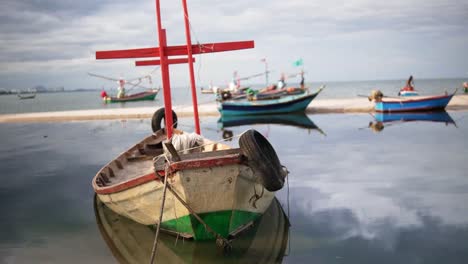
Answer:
(155, 243)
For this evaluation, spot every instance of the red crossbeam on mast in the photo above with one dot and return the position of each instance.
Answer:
(164, 52)
(174, 50)
(158, 62)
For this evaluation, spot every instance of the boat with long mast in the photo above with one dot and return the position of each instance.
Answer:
(214, 191)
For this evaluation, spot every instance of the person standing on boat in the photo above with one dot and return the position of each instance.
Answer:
(409, 85)
(121, 89)
(465, 87)
(281, 82)
(302, 80)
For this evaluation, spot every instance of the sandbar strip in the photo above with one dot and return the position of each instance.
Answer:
(318, 106)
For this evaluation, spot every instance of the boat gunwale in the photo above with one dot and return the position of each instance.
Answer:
(225, 160)
(414, 100)
(191, 161)
(102, 190)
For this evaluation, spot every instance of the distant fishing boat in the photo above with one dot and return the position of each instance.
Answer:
(122, 96)
(266, 241)
(143, 96)
(283, 104)
(27, 96)
(417, 103)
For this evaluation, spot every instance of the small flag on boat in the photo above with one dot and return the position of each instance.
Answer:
(299, 62)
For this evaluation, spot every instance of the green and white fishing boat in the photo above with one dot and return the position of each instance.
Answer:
(214, 191)
(228, 188)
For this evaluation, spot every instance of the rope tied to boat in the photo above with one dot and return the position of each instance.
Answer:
(220, 240)
(210, 143)
(155, 243)
(255, 197)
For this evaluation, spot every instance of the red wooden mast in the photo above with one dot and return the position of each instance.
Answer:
(164, 52)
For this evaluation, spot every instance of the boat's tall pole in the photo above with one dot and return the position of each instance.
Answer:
(190, 63)
(164, 73)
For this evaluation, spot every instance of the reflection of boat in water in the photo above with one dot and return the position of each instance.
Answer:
(299, 120)
(215, 190)
(386, 119)
(130, 242)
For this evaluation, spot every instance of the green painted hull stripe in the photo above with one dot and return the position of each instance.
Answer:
(223, 222)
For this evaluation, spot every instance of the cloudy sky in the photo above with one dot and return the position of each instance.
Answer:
(53, 42)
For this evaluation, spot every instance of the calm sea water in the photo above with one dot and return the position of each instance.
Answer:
(355, 195)
(182, 96)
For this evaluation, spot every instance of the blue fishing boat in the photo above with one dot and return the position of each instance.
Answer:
(284, 104)
(426, 103)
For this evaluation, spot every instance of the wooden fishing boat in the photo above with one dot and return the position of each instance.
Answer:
(283, 104)
(26, 96)
(227, 188)
(261, 94)
(415, 103)
(214, 191)
(143, 96)
(130, 242)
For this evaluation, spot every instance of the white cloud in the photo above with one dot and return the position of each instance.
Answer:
(364, 39)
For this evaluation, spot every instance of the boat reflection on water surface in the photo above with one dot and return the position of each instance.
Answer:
(383, 120)
(299, 120)
(130, 242)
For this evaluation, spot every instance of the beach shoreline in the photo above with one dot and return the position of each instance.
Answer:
(318, 106)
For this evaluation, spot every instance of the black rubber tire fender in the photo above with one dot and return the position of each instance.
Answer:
(262, 159)
(158, 117)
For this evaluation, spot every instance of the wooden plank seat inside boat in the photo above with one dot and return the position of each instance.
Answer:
(138, 160)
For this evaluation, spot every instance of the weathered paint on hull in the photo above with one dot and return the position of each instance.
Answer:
(287, 104)
(223, 196)
(407, 105)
